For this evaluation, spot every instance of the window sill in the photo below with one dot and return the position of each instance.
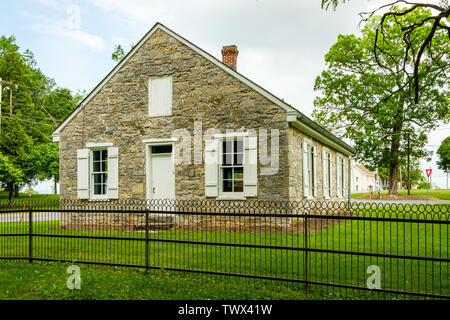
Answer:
(98, 199)
(310, 198)
(231, 198)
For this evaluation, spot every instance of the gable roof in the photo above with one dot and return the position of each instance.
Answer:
(364, 170)
(293, 113)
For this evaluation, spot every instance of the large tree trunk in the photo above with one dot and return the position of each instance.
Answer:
(16, 190)
(394, 163)
(10, 189)
(55, 191)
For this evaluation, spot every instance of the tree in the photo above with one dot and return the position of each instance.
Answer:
(119, 53)
(373, 105)
(444, 156)
(414, 51)
(33, 111)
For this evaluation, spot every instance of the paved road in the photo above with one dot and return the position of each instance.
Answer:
(37, 216)
(412, 202)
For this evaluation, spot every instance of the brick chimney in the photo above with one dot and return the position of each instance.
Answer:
(229, 56)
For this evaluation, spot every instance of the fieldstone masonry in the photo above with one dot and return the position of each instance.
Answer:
(201, 92)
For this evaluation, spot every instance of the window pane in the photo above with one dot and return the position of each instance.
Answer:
(96, 166)
(161, 149)
(238, 186)
(104, 154)
(227, 159)
(238, 146)
(97, 178)
(227, 146)
(96, 155)
(97, 188)
(227, 173)
(238, 174)
(104, 166)
(104, 189)
(104, 178)
(238, 159)
(227, 186)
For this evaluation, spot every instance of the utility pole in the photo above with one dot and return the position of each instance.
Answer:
(10, 101)
(409, 183)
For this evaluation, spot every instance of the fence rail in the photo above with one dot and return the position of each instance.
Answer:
(317, 246)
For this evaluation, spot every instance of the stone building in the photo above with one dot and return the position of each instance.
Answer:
(170, 121)
(363, 180)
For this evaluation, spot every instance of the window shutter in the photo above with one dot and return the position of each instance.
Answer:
(113, 173)
(250, 166)
(211, 168)
(160, 97)
(305, 171)
(83, 173)
(344, 174)
(325, 174)
(338, 176)
(316, 184)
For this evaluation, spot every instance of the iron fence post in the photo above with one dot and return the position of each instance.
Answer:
(305, 229)
(30, 235)
(146, 240)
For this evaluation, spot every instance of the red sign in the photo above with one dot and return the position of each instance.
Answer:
(428, 171)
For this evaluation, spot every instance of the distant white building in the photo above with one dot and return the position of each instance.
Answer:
(363, 180)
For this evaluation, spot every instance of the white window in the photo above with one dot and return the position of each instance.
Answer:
(340, 176)
(231, 167)
(160, 97)
(98, 172)
(309, 169)
(326, 160)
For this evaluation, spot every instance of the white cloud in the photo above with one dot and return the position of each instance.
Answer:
(82, 38)
(66, 24)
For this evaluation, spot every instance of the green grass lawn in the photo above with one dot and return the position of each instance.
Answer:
(41, 280)
(441, 194)
(34, 197)
(400, 238)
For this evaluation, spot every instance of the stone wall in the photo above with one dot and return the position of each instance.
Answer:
(201, 92)
(296, 167)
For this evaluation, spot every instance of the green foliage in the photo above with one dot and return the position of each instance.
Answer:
(32, 107)
(333, 3)
(9, 173)
(374, 106)
(444, 155)
(118, 53)
(424, 185)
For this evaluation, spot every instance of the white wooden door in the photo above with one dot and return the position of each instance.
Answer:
(163, 176)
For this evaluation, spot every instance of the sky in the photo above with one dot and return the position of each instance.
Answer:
(281, 43)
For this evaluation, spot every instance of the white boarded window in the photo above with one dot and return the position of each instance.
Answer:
(160, 97)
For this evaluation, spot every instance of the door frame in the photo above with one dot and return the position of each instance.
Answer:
(148, 143)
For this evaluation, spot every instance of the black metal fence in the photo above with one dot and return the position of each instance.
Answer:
(357, 250)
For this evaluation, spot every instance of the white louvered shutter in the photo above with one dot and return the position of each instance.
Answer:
(83, 173)
(345, 179)
(338, 176)
(305, 171)
(113, 173)
(316, 184)
(212, 168)
(250, 167)
(325, 174)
